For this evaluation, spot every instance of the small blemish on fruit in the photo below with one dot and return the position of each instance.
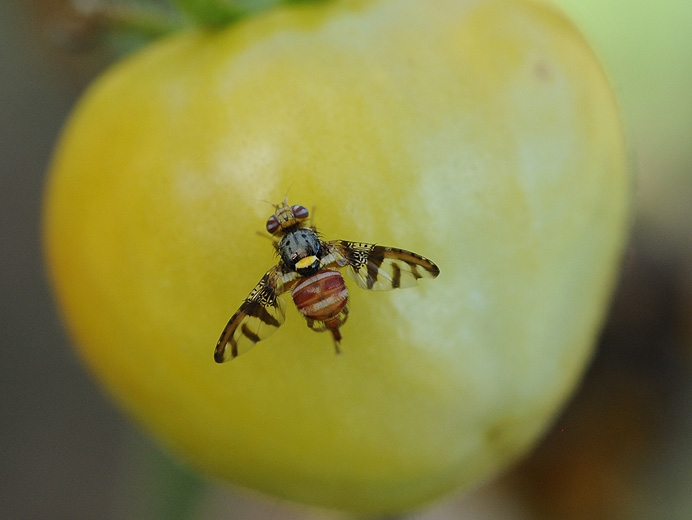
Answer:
(542, 71)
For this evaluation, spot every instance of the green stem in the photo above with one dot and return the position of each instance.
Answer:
(131, 23)
(214, 13)
(149, 20)
(153, 485)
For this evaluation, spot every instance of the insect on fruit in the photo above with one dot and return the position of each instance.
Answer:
(308, 267)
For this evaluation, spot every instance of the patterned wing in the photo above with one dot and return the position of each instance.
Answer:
(380, 268)
(258, 317)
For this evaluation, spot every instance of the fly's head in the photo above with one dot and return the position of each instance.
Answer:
(286, 218)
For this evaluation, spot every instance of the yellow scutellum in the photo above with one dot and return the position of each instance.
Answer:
(481, 134)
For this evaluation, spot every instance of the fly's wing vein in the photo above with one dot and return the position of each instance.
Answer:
(259, 316)
(380, 268)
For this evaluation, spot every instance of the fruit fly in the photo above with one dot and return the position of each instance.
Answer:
(309, 267)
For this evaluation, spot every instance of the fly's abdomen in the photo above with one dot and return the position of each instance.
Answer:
(321, 296)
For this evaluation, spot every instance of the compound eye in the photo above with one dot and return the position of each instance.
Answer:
(273, 224)
(300, 212)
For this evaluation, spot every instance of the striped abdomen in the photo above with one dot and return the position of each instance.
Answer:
(322, 296)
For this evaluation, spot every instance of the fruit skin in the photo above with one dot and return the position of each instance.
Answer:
(482, 135)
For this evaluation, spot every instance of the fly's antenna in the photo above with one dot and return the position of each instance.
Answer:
(267, 202)
(286, 194)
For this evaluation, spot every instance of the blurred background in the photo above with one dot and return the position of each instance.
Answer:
(622, 449)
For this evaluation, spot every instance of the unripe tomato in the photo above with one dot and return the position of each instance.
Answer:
(480, 134)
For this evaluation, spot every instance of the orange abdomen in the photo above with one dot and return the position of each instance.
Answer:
(321, 296)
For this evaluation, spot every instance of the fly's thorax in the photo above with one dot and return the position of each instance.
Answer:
(301, 250)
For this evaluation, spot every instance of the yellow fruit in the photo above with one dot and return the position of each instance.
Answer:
(481, 134)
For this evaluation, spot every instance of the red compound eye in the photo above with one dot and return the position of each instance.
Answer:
(300, 212)
(273, 224)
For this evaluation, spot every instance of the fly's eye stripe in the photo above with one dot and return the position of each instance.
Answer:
(300, 212)
(272, 224)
